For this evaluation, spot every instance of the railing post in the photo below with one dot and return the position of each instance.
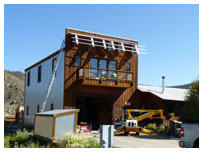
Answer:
(76, 39)
(83, 73)
(101, 75)
(113, 46)
(123, 47)
(104, 44)
(92, 41)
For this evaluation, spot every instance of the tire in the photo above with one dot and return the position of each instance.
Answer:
(126, 133)
(137, 133)
(196, 144)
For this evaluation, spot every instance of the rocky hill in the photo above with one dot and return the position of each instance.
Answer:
(13, 91)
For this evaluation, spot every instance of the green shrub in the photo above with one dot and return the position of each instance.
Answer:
(160, 128)
(20, 137)
(78, 141)
(24, 139)
(191, 106)
(6, 141)
(152, 126)
(171, 114)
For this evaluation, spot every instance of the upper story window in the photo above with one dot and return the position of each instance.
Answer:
(53, 65)
(39, 74)
(77, 60)
(127, 66)
(103, 64)
(37, 108)
(112, 66)
(52, 106)
(28, 78)
(27, 111)
(93, 66)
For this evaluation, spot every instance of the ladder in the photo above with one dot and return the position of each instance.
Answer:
(53, 76)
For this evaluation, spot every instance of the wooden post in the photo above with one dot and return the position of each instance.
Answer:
(101, 75)
(83, 73)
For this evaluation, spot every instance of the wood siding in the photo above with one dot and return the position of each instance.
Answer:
(116, 94)
(147, 100)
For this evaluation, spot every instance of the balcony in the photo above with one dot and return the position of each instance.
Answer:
(105, 77)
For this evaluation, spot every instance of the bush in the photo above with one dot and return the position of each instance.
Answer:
(151, 126)
(21, 136)
(23, 139)
(6, 141)
(171, 114)
(78, 141)
(191, 106)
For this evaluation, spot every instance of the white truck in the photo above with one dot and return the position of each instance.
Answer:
(189, 134)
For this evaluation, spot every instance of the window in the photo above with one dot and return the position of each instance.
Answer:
(52, 106)
(112, 66)
(93, 67)
(28, 78)
(27, 110)
(103, 66)
(37, 108)
(127, 66)
(39, 73)
(77, 60)
(53, 65)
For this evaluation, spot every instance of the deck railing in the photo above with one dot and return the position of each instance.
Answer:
(105, 74)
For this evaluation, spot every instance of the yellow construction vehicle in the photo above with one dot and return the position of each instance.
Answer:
(132, 119)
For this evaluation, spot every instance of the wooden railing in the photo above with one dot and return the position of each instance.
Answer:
(105, 74)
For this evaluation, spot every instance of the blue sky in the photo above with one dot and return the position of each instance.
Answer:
(169, 32)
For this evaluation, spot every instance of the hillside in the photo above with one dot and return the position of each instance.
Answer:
(13, 90)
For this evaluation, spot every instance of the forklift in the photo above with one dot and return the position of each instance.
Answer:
(133, 117)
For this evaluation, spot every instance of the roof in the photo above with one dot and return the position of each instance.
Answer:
(169, 93)
(39, 62)
(58, 112)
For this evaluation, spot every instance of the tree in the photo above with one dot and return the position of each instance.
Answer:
(191, 106)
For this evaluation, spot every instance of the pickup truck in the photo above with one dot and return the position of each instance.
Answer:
(189, 134)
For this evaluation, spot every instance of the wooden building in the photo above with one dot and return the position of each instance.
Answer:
(96, 74)
(170, 100)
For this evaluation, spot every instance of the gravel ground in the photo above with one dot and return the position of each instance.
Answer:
(143, 141)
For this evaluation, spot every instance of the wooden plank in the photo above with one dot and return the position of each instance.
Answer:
(54, 127)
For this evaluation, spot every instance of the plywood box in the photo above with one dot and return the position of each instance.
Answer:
(52, 125)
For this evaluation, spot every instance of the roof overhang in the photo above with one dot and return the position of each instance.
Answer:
(172, 94)
(104, 41)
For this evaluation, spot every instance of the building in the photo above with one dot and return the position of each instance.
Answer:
(170, 100)
(96, 74)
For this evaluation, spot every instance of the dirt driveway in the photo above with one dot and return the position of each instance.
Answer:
(145, 141)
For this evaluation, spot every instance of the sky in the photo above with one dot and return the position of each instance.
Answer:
(170, 34)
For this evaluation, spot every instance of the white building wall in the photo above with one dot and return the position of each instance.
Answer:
(35, 93)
